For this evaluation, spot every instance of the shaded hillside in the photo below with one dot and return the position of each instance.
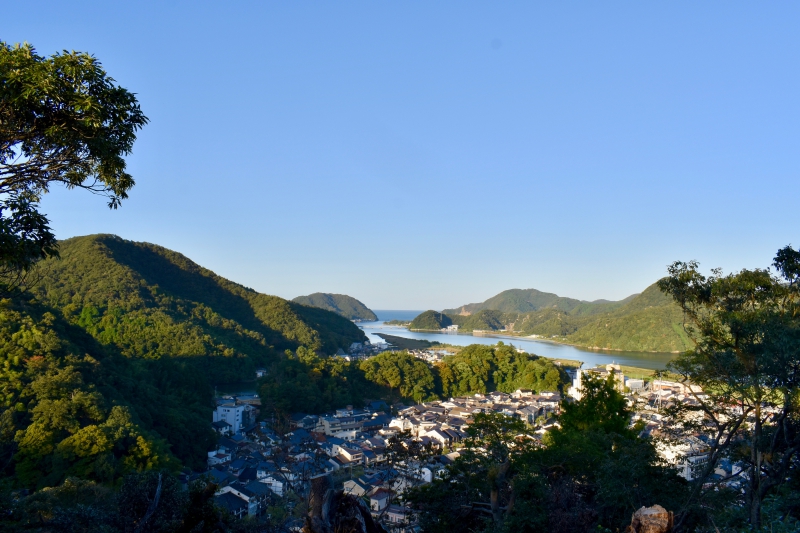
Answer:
(430, 320)
(151, 302)
(71, 406)
(123, 343)
(341, 304)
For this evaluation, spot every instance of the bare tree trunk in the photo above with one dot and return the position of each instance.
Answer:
(755, 472)
(151, 509)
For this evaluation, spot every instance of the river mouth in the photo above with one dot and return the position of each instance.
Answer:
(552, 350)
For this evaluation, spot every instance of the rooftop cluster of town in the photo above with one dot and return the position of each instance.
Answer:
(256, 467)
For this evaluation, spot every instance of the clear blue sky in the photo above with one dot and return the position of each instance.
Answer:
(429, 154)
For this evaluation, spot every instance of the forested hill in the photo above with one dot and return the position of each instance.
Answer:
(152, 302)
(649, 321)
(527, 300)
(341, 304)
(431, 320)
(109, 362)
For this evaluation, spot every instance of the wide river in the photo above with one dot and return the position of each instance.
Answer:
(590, 358)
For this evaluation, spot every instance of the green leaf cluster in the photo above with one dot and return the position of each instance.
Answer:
(64, 120)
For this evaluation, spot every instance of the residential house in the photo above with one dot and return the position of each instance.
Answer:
(242, 492)
(232, 503)
(379, 500)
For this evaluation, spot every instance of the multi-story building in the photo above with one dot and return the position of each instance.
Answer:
(237, 415)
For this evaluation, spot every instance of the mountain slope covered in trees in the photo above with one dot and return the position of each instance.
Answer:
(152, 302)
(649, 321)
(341, 304)
(528, 300)
(109, 361)
(431, 320)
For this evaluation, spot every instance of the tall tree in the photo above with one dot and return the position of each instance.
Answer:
(62, 120)
(746, 331)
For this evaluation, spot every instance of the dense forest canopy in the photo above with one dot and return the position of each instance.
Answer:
(341, 304)
(302, 381)
(108, 361)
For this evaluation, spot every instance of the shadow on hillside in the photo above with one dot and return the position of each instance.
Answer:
(178, 276)
(170, 396)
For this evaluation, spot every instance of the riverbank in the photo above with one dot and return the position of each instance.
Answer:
(402, 343)
(542, 347)
(563, 342)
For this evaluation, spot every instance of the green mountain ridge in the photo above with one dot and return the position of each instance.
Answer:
(649, 321)
(528, 300)
(341, 304)
(119, 289)
(110, 359)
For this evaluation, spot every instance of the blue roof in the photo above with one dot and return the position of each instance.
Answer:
(217, 476)
(230, 501)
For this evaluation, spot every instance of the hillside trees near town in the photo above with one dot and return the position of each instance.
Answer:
(403, 374)
(480, 368)
(304, 382)
(63, 412)
(746, 358)
(63, 121)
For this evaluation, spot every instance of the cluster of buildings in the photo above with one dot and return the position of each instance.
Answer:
(430, 356)
(688, 453)
(255, 468)
(362, 350)
(446, 421)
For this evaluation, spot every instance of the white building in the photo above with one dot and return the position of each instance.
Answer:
(235, 415)
(577, 375)
(689, 455)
